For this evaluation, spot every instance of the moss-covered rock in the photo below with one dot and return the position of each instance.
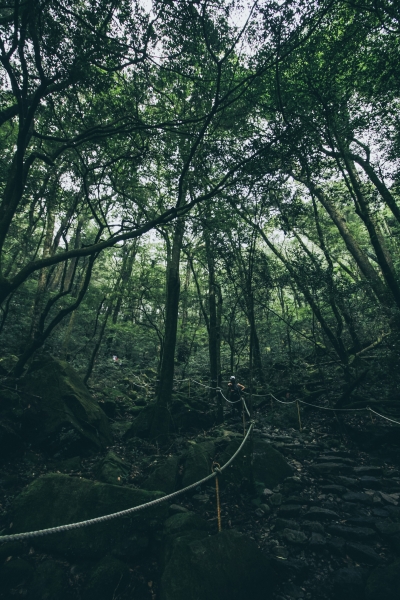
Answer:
(112, 469)
(198, 462)
(109, 575)
(183, 522)
(55, 499)
(269, 466)
(50, 582)
(227, 566)
(240, 472)
(384, 583)
(164, 477)
(183, 416)
(191, 416)
(140, 427)
(66, 416)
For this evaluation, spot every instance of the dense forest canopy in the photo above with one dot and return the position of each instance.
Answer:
(202, 188)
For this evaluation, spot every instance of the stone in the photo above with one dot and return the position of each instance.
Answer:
(50, 581)
(182, 522)
(291, 568)
(68, 418)
(15, 572)
(321, 514)
(292, 484)
(269, 466)
(69, 465)
(329, 468)
(384, 583)
(333, 489)
(275, 499)
(281, 524)
(198, 462)
(289, 510)
(265, 508)
(362, 553)
(352, 533)
(313, 526)
(190, 417)
(370, 482)
(201, 498)
(106, 577)
(317, 540)
(358, 497)
(380, 512)
(240, 472)
(54, 499)
(364, 521)
(367, 470)
(141, 425)
(227, 566)
(177, 508)
(388, 499)
(112, 469)
(337, 546)
(348, 482)
(280, 551)
(294, 537)
(119, 428)
(164, 477)
(335, 459)
(348, 584)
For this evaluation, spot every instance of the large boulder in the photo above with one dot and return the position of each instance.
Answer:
(50, 581)
(269, 466)
(240, 471)
(109, 575)
(55, 499)
(226, 566)
(183, 417)
(198, 462)
(112, 469)
(65, 416)
(164, 477)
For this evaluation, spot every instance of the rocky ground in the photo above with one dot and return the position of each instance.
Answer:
(318, 509)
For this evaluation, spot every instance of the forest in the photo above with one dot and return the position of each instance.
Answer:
(191, 191)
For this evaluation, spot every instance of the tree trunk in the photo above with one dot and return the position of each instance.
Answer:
(42, 281)
(98, 344)
(160, 425)
(214, 330)
(126, 273)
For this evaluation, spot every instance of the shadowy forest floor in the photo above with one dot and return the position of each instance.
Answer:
(337, 520)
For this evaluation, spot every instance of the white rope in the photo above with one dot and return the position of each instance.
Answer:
(334, 409)
(383, 416)
(281, 402)
(247, 410)
(128, 511)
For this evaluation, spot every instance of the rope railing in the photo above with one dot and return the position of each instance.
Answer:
(128, 511)
(288, 402)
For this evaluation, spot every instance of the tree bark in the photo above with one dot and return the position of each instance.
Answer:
(160, 425)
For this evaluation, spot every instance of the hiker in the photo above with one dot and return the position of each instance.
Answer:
(235, 393)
